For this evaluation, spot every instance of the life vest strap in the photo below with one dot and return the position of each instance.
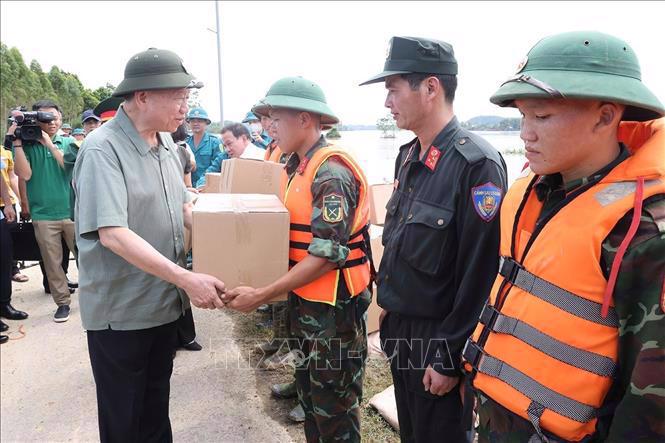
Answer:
(305, 245)
(579, 358)
(347, 264)
(532, 389)
(300, 227)
(308, 228)
(578, 306)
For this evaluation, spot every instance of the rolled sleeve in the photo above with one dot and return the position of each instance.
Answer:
(329, 249)
(101, 193)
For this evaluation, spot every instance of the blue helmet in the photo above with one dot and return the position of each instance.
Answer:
(199, 113)
(250, 117)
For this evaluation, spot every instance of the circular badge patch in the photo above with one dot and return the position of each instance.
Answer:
(522, 65)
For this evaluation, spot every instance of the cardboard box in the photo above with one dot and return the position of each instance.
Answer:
(378, 199)
(374, 309)
(213, 183)
(248, 176)
(242, 239)
(188, 232)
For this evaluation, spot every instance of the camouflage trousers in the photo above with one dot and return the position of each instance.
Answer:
(329, 380)
(279, 319)
(330, 343)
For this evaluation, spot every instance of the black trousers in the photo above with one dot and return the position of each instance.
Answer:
(423, 417)
(186, 328)
(6, 256)
(132, 371)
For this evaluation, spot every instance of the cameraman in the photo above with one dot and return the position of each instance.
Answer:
(40, 163)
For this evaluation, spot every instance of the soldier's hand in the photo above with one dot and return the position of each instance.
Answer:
(204, 291)
(438, 384)
(244, 298)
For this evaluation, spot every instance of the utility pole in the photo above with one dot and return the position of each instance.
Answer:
(219, 63)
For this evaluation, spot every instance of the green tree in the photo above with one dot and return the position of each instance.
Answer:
(22, 85)
(388, 125)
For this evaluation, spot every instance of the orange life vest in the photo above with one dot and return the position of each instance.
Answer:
(546, 344)
(297, 197)
(273, 153)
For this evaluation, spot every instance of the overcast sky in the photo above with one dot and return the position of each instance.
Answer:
(335, 44)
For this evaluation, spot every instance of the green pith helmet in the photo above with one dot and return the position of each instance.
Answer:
(299, 94)
(582, 65)
(155, 69)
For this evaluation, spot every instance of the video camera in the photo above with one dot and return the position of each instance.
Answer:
(27, 123)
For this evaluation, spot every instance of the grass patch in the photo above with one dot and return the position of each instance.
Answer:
(377, 378)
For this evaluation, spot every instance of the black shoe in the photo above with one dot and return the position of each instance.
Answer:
(72, 284)
(7, 311)
(193, 346)
(3, 326)
(62, 314)
(3, 339)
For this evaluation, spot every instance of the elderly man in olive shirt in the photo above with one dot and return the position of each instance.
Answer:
(131, 206)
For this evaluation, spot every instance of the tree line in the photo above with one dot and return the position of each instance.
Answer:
(22, 85)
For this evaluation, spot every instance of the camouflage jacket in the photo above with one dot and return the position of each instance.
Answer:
(636, 402)
(320, 321)
(333, 178)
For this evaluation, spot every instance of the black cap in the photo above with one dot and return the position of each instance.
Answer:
(408, 55)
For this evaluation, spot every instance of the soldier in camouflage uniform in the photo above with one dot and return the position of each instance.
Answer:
(586, 69)
(326, 324)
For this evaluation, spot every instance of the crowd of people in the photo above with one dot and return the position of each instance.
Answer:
(533, 311)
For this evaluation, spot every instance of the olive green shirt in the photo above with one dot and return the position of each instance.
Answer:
(48, 187)
(120, 181)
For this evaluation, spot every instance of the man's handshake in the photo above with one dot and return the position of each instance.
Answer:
(208, 292)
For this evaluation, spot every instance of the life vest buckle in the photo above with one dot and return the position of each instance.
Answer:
(472, 353)
(509, 268)
(488, 315)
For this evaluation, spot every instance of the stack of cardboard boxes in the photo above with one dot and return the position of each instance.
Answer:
(245, 176)
(240, 231)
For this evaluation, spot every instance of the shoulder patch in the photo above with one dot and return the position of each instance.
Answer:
(332, 208)
(487, 200)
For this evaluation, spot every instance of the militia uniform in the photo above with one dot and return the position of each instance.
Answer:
(441, 238)
(326, 194)
(571, 344)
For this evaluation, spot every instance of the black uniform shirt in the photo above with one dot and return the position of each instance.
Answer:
(441, 234)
